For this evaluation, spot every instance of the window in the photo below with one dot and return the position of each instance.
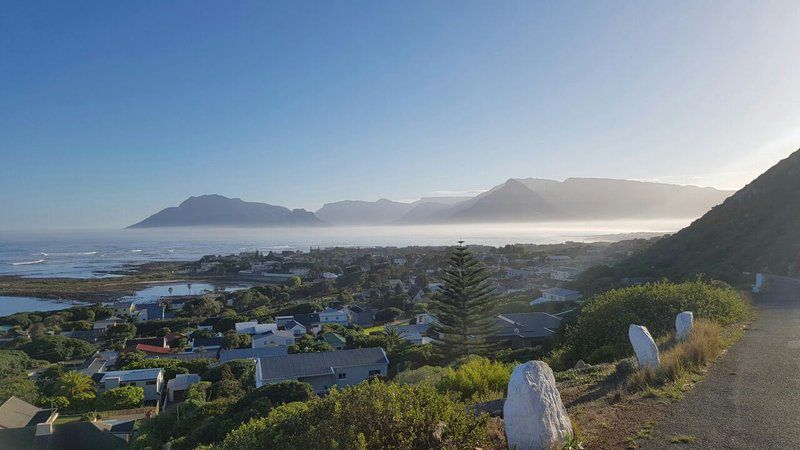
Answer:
(342, 375)
(374, 373)
(151, 382)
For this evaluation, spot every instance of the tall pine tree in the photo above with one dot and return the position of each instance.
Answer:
(464, 306)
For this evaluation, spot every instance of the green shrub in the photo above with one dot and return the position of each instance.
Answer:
(476, 378)
(370, 415)
(58, 348)
(124, 397)
(425, 374)
(601, 331)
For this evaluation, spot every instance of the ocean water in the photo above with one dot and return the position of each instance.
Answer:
(11, 305)
(88, 254)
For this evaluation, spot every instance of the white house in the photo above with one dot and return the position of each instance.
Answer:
(278, 338)
(296, 328)
(557, 295)
(177, 387)
(151, 380)
(105, 324)
(425, 319)
(330, 315)
(564, 273)
(254, 327)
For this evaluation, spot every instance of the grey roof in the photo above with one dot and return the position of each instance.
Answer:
(403, 330)
(260, 352)
(293, 323)
(207, 342)
(561, 291)
(319, 363)
(93, 365)
(130, 375)
(535, 324)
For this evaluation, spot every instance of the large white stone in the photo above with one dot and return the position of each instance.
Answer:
(533, 413)
(644, 346)
(683, 324)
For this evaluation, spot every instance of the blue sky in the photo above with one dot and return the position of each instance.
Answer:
(110, 111)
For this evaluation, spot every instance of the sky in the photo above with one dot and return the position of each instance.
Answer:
(111, 111)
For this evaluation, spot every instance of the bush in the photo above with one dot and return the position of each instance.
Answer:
(425, 374)
(476, 379)
(14, 362)
(624, 369)
(388, 314)
(369, 415)
(601, 331)
(58, 348)
(122, 398)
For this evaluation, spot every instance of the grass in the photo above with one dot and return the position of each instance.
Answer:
(682, 439)
(681, 361)
(375, 328)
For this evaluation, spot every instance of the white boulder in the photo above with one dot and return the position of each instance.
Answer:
(644, 346)
(533, 413)
(683, 324)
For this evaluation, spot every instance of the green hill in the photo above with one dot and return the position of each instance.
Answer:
(757, 229)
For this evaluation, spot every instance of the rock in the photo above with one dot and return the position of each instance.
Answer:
(683, 324)
(580, 365)
(644, 346)
(533, 413)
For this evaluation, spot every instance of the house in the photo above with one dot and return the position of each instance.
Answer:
(17, 413)
(435, 287)
(151, 380)
(415, 294)
(519, 273)
(329, 276)
(296, 328)
(335, 340)
(208, 324)
(307, 320)
(150, 311)
(177, 387)
(331, 315)
(93, 365)
(196, 354)
(126, 308)
(425, 318)
(564, 273)
(557, 295)
(251, 353)
(281, 321)
(399, 261)
(154, 341)
(279, 338)
(212, 343)
(105, 324)
(254, 327)
(557, 260)
(525, 329)
(415, 334)
(66, 436)
(149, 350)
(360, 315)
(322, 370)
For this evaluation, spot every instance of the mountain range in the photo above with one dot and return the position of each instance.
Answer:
(516, 200)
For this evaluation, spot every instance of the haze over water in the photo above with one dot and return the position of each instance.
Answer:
(82, 254)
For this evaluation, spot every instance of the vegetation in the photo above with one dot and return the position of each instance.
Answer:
(601, 331)
(464, 306)
(370, 415)
(476, 379)
(58, 348)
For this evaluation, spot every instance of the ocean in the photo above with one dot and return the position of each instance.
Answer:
(88, 254)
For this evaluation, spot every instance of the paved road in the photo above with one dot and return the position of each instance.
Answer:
(751, 397)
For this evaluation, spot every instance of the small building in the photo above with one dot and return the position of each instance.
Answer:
(425, 319)
(212, 343)
(254, 327)
(105, 324)
(564, 273)
(331, 315)
(251, 353)
(151, 351)
(124, 308)
(17, 413)
(361, 316)
(323, 370)
(335, 340)
(150, 311)
(296, 328)
(523, 330)
(415, 334)
(151, 380)
(281, 321)
(557, 295)
(177, 387)
(278, 338)
(154, 341)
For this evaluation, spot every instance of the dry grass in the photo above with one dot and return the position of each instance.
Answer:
(704, 345)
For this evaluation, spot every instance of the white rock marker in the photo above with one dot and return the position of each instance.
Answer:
(534, 415)
(644, 346)
(683, 324)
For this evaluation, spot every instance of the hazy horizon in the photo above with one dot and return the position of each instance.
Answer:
(111, 112)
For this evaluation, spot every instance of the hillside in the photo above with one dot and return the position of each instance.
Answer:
(351, 212)
(216, 210)
(757, 229)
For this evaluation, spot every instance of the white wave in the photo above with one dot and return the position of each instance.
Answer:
(89, 253)
(41, 253)
(136, 251)
(27, 263)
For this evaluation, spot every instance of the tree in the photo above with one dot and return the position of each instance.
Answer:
(121, 331)
(57, 348)
(464, 306)
(124, 397)
(294, 282)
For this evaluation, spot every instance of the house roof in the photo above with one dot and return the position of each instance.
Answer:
(406, 330)
(68, 436)
(307, 320)
(333, 338)
(532, 325)
(283, 333)
(207, 342)
(245, 353)
(93, 365)
(17, 413)
(318, 363)
(561, 292)
(151, 349)
(156, 341)
(128, 375)
(292, 323)
(182, 381)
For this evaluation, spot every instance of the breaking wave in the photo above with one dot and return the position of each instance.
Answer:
(27, 263)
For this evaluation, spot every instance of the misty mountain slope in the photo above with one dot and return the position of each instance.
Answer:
(757, 229)
(216, 210)
(512, 201)
(352, 212)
